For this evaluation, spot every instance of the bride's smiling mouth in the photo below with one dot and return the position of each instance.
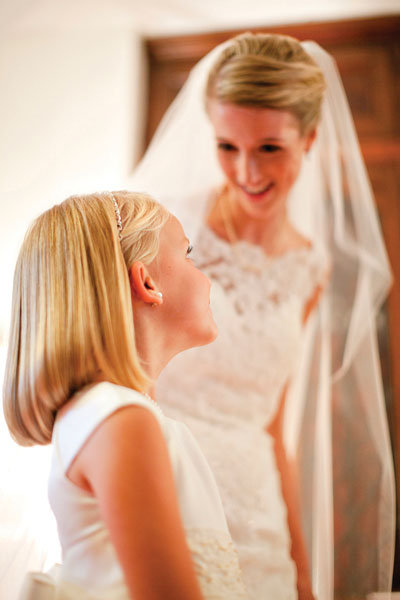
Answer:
(256, 193)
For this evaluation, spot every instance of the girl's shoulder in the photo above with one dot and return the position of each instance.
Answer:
(99, 399)
(88, 409)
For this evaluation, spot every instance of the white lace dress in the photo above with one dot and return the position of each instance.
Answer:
(90, 569)
(229, 391)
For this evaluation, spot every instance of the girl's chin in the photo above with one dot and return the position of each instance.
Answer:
(210, 334)
(205, 335)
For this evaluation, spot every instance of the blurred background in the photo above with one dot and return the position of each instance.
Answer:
(83, 84)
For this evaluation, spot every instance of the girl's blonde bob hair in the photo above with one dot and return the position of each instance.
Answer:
(269, 71)
(72, 318)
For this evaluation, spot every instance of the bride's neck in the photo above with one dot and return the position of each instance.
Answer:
(272, 231)
(268, 232)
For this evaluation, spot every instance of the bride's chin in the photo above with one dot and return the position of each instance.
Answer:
(261, 210)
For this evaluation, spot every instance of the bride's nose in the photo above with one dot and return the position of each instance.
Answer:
(247, 169)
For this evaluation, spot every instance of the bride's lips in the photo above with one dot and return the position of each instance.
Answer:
(258, 194)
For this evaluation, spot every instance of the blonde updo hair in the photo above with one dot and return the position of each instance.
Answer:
(269, 71)
(72, 312)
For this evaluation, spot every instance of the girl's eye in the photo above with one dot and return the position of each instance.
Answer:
(269, 148)
(226, 147)
(189, 249)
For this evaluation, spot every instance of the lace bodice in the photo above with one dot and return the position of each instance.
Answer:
(258, 304)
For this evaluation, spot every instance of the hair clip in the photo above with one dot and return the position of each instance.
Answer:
(118, 216)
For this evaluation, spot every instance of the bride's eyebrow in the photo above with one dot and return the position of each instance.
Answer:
(268, 140)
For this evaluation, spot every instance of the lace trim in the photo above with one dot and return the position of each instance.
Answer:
(215, 560)
(49, 586)
(216, 563)
(296, 273)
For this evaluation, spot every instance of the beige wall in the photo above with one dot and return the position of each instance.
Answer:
(67, 120)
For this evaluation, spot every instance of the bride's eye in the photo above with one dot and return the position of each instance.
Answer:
(226, 147)
(189, 249)
(269, 148)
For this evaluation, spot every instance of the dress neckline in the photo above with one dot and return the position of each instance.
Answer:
(89, 387)
(254, 249)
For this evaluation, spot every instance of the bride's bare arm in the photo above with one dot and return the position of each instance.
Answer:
(289, 477)
(312, 302)
(291, 496)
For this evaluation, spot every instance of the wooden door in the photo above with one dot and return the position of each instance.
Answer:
(367, 52)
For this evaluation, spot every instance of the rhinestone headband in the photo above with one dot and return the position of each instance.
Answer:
(118, 216)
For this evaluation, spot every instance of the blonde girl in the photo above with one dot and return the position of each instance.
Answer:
(104, 295)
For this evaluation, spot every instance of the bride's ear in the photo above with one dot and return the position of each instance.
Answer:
(142, 285)
(309, 140)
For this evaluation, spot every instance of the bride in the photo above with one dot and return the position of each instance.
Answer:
(287, 404)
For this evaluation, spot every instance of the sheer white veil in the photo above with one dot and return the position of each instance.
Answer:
(335, 419)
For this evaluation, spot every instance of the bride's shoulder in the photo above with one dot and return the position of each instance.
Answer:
(295, 240)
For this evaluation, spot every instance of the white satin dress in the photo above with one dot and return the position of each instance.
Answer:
(90, 569)
(229, 391)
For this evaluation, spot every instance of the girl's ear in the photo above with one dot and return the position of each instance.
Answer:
(142, 285)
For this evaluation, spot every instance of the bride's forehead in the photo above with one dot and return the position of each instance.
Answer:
(233, 119)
